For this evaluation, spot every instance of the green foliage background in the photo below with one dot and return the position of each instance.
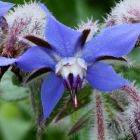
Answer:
(16, 117)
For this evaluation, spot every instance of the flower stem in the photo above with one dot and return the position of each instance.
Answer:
(37, 113)
(133, 93)
(100, 118)
(134, 111)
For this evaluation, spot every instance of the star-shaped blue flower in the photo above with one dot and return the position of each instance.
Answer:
(71, 61)
(4, 7)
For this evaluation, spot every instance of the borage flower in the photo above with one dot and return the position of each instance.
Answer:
(71, 60)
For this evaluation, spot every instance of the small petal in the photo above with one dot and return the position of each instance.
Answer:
(36, 73)
(114, 41)
(38, 41)
(62, 38)
(6, 61)
(101, 76)
(35, 58)
(51, 92)
(4, 7)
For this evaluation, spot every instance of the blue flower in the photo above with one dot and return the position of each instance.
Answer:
(4, 7)
(71, 60)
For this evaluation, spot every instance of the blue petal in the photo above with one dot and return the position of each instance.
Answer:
(4, 7)
(102, 77)
(6, 61)
(35, 58)
(51, 92)
(62, 38)
(114, 41)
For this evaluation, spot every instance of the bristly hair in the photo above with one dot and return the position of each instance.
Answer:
(126, 11)
(133, 117)
(32, 15)
(93, 26)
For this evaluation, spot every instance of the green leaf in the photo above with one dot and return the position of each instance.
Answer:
(112, 102)
(12, 124)
(14, 130)
(134, 55)
(130, 73)
(9, 91)
(83, 97)
(82, 122)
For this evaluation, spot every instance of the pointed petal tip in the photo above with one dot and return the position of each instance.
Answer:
(58, 34)
(4, 7)
(44, 8)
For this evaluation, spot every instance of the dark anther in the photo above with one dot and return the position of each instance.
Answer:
(73, 84)
(71, 79)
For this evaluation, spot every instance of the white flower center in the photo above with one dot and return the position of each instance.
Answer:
(72, 70)
(71, 65)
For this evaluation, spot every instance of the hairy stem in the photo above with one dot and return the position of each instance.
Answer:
(133, 93)
(37, 113)
(100, 118)
(134, 111)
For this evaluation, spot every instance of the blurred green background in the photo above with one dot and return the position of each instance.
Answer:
(71, 12)
(16, 117)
